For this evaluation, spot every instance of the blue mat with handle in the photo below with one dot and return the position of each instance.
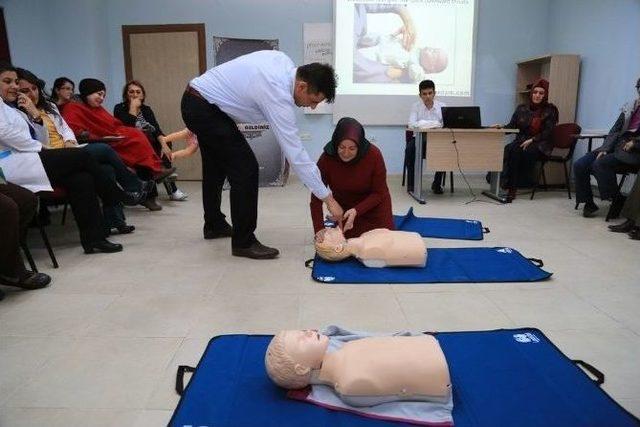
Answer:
(441, 228)
(507, 377)
(444, 265)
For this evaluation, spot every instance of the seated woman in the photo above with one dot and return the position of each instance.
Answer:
(17, 207)
(25, 163)
(364, 372)
(374, 248)
(354, 170)
(90, 120)
(132, 111)
(535, 120)
(59, 135)
(620, 152)
(62, 92)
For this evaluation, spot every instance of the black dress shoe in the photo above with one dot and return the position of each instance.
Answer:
(211, 232)
(589, 209)
(102, 246)
(635, 233)
(625, 227)
(436, 188)
(256, 251)
(122, 229)
(28, 280)
(616, 206)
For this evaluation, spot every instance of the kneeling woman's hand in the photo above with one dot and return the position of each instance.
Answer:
(349, 217)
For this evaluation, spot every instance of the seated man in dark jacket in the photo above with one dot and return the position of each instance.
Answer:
(619, 153)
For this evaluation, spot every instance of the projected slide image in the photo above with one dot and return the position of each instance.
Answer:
(389, 46)
(386, 50)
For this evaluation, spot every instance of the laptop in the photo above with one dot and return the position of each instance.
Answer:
(461, 117)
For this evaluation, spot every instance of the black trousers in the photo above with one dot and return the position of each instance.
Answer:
(79, 174)
(518, 165)
(225, 154)
(17, 207)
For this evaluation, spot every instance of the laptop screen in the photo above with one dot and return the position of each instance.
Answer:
(461, 117)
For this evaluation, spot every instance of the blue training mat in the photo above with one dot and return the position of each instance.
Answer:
(511, 378)
(441, 228)
(444, 265)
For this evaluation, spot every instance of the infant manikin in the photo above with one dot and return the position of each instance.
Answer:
(388, 50)
(376, 248)
(364, 372)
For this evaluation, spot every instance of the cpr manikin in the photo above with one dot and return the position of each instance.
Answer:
(364, 372)
(376, 248)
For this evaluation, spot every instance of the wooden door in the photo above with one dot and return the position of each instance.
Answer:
(164, 58)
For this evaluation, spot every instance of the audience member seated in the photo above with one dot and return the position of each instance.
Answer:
(89, 120)
(28, 165)
(62, 92)
(620, 152)
(59, 135)
(535, 120)
(354, 170)
(132, 111)
(427, 113)
(17, 207)
(630, 211)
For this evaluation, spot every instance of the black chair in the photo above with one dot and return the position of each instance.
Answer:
(58, 196)
(564, 137)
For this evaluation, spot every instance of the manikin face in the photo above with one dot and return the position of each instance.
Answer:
(65, 92)
(333, 237)
(96, 99)
(306, 347)
(433, 60)
(30, 90)
(427, 96)
(347, 150)
(134, 92)
(304, 98)
(9, 86)
(537, 95)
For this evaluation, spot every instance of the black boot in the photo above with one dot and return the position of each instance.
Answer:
(616, 206)
(625, 227)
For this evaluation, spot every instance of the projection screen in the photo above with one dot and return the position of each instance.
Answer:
(384, 48)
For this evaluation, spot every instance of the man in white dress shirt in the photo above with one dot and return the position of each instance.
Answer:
(258, 87)
(427, 113)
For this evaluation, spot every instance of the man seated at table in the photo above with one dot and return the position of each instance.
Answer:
(427, 113)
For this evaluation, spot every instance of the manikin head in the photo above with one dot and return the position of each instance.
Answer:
(292, 355)
(333, 246)
(433, 59)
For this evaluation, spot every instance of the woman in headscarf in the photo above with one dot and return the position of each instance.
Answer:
(535, 120)
(354, 170)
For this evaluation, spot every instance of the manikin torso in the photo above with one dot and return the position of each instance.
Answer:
(380, 247)
(375, 370)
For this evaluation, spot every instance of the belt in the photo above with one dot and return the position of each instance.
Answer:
(194, 92)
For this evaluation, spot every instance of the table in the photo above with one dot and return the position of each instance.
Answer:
(474, 150)
(590, 136)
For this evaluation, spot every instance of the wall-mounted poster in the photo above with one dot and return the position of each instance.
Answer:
(274, 169)
(318, 47)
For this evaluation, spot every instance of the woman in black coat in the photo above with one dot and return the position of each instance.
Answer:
(132, 111)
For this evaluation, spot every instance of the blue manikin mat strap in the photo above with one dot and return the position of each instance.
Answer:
(441, 228)
(505, 377)
(444, 265)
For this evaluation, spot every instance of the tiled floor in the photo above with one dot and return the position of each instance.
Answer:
(100, 346)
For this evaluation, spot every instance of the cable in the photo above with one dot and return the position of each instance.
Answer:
(474, 196)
